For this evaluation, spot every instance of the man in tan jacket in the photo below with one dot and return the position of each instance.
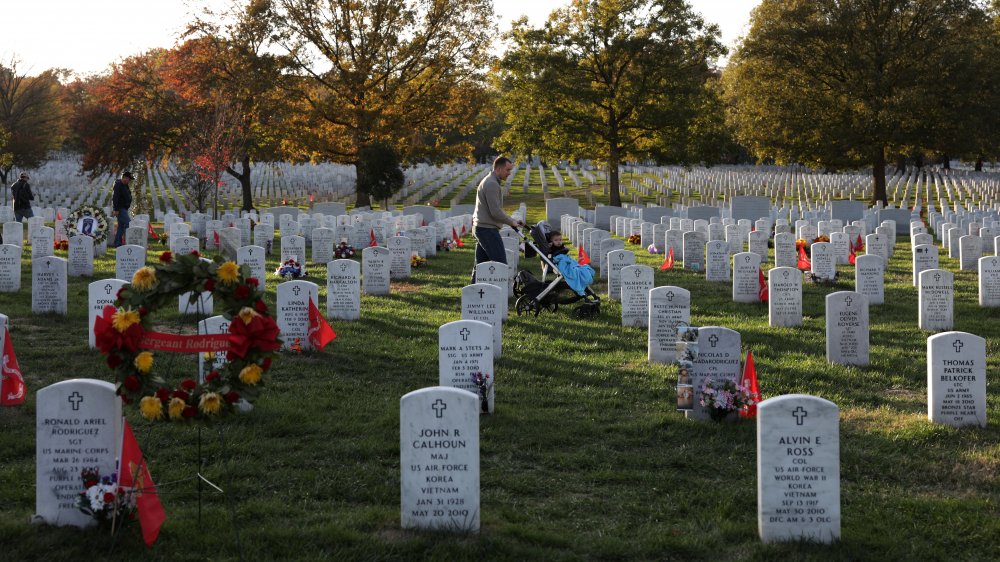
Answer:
(489, 216)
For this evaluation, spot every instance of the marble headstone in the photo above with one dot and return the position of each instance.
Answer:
(956, 379)
(847, 328)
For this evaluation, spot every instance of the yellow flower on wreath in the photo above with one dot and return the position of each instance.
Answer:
(228, 273)
(176, 408)
(210, 403)
(144, 362)
(151, 408)
(124, 319)
(247, 314)
(144, 279)
(250, 374)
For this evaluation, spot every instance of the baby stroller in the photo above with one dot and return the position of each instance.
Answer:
(535, 295)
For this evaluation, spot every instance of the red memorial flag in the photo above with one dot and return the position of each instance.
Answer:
(668, 262)
(152, 232)
(456, 238)
(762, 290)
(371, 241)
(860, 246)
(582, 257)
(320, 331)
(134, 473)
(12, 390)
(852, 258)
(804, 262)
(749, 380)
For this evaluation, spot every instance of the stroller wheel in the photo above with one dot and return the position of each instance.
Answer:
(588, 309)
(525, 304)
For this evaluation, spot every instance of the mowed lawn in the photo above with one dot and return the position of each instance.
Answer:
(585, 458)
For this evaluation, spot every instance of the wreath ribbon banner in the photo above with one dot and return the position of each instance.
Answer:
(157, 341)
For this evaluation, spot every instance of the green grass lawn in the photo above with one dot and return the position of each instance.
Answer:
(585, 458)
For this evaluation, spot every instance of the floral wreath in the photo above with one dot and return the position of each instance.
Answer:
(123, 333)
(99, 230)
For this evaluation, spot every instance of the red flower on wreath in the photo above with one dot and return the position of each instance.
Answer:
(115, 361)
(253, 281)
(190, 412)
(132, 383)
(109, 339)
(232, 397)
(188, 384)
(242, 292)
(209, 284)
(167, 257)
(261, 333)
(260, 306)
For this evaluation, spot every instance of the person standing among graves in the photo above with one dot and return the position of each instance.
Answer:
(21, 193)
(489, 217)
(121, 200)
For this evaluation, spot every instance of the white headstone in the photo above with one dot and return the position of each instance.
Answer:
(869, 278)
(937, 295)
(401, 250)
(989, 281)
(128, 260)
(784, 303)
(694, 250)
(48, 285)
(375, 270)
(292, 312)
(42, 240)
(439, 459)
(824, 266)
(293, 247)
(746, 277)
(484, 302)
(637, 281)
(668, 307)
(465, 350)
(717, 261)
(956, 379)
(254, 257)
(10, 268)
(81, 256)
(322, 245)
(785, 254)
(343, 289)
(215, 361)
(718, 358)
(925, 256)
(78, 425)
(847, 328)
(100, 294)
(617, 260)
(798, 469)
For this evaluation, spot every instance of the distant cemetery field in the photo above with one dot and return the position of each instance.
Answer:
(585, 455)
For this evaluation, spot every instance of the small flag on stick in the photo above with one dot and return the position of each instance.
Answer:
(320, 331)
(668, 262)
(749, 380)
(12, 389)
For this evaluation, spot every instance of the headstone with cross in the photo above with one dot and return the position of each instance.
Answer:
(746, 277)
(784, 303)
(615, 262)
(81, 256)
(637, 281)
(717, 261)
(78, 426)
(42, 240)
(607, 246)
(669, 307)
(798, 469)
(254, 257)
(376, 263)
(263, 236)
(10, 267)
(465, 347)
(207, 362)
(824, 263)
(49, 286)
(970, 249)
(128, 260)
(439, 459)
(401, 250)
(694, 250)
(925, 256)
(718, 356)
(498, 274)
(956, 379)
(322, 245)
(343, 289)
(293, 247)
(936, 300)
(292, 311)
(100, 294)
(847, 335)
(484, 302)
(183, 245)
(784, 250)
(869, 278)
(989, 281)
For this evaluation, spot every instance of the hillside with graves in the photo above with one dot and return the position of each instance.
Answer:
(764, 365)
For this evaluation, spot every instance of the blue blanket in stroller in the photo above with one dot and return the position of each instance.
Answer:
(577, 276)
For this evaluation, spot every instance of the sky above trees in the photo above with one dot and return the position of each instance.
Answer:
(86, 37)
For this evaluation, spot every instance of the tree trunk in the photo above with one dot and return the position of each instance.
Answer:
(900, 164)
(946, 161)
(878, 174)
(215, 197)
(363, 199)
(613, 183)
(979, 163)
(3, 183)
(243, 176)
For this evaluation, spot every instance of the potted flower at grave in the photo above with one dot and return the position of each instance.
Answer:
(635, 240)
(290, 269)
(103, 499)
(343, 251)
(802, 244)
(417, 261)
(724, 399)
(484, 383)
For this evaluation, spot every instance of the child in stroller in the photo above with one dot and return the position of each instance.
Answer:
(534, 295)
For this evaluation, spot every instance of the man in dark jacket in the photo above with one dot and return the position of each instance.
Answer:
(121, 200)
(21, 192)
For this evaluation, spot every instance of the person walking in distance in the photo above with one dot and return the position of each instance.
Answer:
(21, 193)
(121, 200)
(489, 217)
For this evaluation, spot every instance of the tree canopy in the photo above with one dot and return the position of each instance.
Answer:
(607, 80)
(844, 83)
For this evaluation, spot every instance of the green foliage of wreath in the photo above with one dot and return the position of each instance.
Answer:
(100, 230)
(253, 338)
